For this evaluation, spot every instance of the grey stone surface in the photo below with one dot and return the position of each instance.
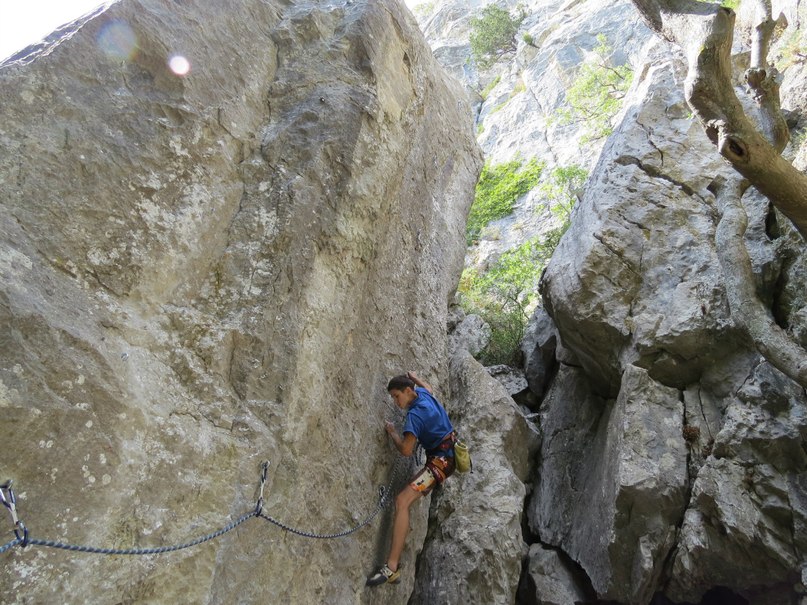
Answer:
(471, 333)
(203, 272)
(552, 581)
(540, 349)
(612, 485)
(635, 284)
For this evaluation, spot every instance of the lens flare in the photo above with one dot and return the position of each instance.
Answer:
(179, 65)
(117, 40)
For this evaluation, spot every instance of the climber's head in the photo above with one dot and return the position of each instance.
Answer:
(402, 391)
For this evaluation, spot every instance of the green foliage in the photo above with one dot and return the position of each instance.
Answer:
(505, 295)
(423, 10)
(596, 95)
(497, 191)
(732, 4)
(529, 40)
(792, 50)
(493, 35)
(484, 94)
(560, 188)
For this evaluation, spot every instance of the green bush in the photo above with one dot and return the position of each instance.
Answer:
(497, 191)
(505, 295)
(493, 35)
(484, 94)
(423, 10)
(507, 292)
(596, 95)
(560, 189)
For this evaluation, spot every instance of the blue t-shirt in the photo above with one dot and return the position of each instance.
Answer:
(427, 420)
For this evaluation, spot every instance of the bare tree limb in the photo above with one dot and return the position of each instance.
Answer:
(705, 32)
(747, 309)
(763, 79)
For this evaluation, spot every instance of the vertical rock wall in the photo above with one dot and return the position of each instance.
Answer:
(673, 456)
(201, 272)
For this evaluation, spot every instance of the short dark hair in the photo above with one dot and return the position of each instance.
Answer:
(399, 383)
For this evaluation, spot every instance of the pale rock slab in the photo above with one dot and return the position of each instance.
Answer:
(203, 272)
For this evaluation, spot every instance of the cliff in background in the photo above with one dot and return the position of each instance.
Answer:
(204, 272)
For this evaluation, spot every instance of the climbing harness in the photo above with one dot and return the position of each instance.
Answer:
(22, 538)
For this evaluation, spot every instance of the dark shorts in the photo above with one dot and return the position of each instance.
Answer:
(437, 470)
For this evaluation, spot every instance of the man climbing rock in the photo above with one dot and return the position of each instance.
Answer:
(426, 422)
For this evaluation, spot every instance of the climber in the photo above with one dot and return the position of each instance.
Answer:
(426, 422)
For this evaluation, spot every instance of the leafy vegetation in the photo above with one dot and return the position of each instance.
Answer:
(484, 94)
(596, 95)
(792, 50)
(505, 294)
(732, 4)
(493, 35)
(560, 189)
(497, 191)
(424, 9)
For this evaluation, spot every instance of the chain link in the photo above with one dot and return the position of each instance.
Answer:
(8, 499)
(383, 501)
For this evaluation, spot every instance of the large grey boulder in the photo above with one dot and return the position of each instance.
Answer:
(635, 278)
(708, 499)
(550, 580)
(745, 526)
(612, 485)
(201, 272)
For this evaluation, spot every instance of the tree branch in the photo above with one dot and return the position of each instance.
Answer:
(764, 79)
(705, 32)
(746, 308)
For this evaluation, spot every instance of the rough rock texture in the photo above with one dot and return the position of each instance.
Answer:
(550, 580)
(203, 272)
(616, 509)
(469, 332)
(687, 448)
(518, 116)
(474, 549)
(540, 349)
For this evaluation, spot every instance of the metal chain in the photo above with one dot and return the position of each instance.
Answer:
(8, 499)
(142, 551)
(383, 500)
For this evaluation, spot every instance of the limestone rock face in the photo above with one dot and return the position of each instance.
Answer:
(650, 290)
(202, 272)
(612, 481)
(474, 549)
(550, 580)
(680, 438)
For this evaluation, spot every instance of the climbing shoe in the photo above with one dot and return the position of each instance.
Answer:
(384, 575)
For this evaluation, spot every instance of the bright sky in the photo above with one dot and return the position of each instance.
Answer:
(23, 22)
